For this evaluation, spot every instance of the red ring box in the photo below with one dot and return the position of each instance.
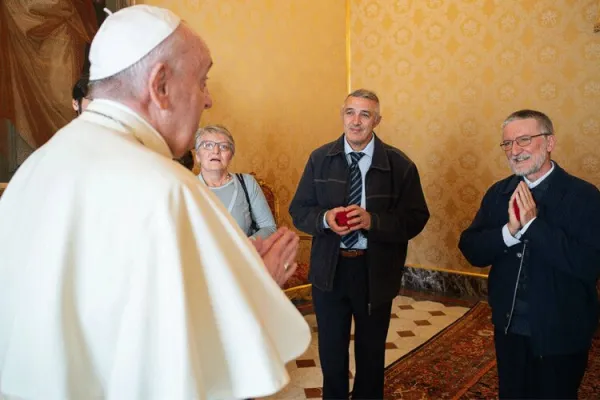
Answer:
(341, 218)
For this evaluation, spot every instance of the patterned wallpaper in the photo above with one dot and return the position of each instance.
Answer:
(447, 73)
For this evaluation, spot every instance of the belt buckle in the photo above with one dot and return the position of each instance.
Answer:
(351, 253)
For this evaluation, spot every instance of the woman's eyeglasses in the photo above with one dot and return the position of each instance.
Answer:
(210, 145)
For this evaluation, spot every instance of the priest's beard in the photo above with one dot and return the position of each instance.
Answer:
(536, 161)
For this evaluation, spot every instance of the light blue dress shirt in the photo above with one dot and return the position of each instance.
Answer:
(363, 164)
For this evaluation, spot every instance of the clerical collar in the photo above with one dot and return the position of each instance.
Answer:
(537, 182)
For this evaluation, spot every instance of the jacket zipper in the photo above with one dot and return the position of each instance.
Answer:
(512, 309)
(368, 269)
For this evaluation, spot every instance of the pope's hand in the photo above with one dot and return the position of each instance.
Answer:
(278, 252)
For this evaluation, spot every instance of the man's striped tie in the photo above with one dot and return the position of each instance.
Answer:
(354, 195)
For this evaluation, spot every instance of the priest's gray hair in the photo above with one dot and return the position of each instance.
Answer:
(544, 122)
(130, 83)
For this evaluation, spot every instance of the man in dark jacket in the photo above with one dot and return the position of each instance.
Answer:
(362, 201)
(540, 231)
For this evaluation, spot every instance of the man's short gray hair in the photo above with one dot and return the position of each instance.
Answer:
(543, 120)
(365, 94)
(214, 129)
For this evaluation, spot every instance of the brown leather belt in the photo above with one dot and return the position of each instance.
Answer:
(352, 253)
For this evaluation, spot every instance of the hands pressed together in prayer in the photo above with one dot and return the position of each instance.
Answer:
(526, 205)
(357, 218)
(279, 252)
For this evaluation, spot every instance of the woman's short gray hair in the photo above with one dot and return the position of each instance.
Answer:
(214, 129)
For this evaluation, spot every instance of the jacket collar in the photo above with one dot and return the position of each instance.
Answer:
(121, 118)
(380, 159)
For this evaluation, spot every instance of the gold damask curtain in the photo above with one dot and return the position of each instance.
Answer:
(42, 44)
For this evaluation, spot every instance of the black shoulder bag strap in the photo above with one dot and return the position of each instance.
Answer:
(253, 225)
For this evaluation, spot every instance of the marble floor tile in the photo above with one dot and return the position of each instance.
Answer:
(413, 315)
(403, 300)
(393, 355)
(292, 392)
(426, 332)
(312, 352)
(306, 378)
(402, 323)
(428, 306)
(410, 343)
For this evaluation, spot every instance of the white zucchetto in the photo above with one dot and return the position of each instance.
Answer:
(126, 36)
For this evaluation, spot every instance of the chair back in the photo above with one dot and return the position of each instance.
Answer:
(297, 288)
(270, 196)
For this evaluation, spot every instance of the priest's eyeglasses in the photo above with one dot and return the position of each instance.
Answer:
(222, 146)
(522, 141)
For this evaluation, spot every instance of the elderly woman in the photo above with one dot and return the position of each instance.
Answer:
(239, 193)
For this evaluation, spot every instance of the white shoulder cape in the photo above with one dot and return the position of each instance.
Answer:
(122, 277)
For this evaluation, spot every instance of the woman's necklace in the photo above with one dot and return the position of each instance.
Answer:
(223, 181)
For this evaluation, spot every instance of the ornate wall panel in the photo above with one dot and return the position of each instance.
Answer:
(448, 73)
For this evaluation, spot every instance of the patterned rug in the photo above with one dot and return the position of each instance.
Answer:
(459, 363)
(449, 363)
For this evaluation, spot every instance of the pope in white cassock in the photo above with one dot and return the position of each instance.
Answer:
(120, 276)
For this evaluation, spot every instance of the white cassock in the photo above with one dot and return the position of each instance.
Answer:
(121, 277)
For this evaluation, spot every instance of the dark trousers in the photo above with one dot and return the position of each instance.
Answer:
(523, 375)
(334, 310)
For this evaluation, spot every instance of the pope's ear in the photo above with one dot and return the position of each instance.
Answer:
(157, 85)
